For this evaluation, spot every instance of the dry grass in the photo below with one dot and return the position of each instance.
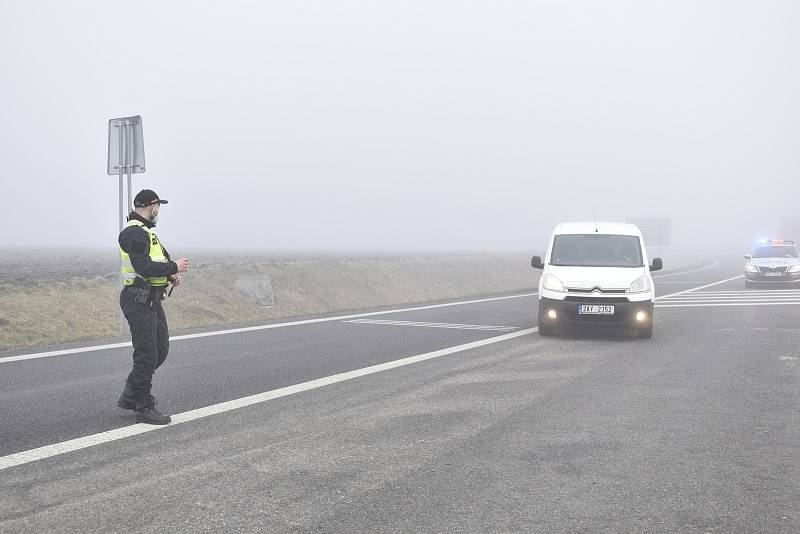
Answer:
(47, 310)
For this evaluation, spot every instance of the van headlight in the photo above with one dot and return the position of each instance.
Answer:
(640, 285)
(793, 269)
(552, 283)
(751, 269)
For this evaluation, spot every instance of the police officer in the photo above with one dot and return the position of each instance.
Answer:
(146, 270)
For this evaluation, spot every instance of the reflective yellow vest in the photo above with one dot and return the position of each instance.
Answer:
(156, 254)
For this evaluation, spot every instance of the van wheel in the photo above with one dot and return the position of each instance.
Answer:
(645, 333)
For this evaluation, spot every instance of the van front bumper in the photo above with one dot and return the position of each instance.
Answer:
(626, 314)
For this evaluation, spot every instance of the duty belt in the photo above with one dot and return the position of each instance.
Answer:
(141, 282)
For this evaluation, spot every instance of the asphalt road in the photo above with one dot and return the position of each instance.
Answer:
(694, 430)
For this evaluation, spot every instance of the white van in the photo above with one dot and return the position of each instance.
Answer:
(596, 274)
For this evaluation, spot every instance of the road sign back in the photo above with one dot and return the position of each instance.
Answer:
(125, 146)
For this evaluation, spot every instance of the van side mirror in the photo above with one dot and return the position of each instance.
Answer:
(748, 257)
(657, 264)
(536, 262)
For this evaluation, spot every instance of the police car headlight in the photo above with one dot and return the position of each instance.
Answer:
(794, 269)
(640, 285)
(552, 283)
(750, 269)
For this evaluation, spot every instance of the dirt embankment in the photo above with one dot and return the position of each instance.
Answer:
(64, 296)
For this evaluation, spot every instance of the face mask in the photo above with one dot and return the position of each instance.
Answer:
(154, 220)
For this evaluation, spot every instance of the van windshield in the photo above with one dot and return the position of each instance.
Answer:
(597, 250)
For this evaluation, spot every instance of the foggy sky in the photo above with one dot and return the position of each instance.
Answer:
(401, 125)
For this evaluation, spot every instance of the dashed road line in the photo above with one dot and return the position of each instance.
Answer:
(92, 348)
(458, 326)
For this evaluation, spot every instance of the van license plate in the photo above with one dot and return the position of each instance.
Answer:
(777, 274)
(595, 309)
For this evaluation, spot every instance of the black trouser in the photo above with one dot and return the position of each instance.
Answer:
(150, 337)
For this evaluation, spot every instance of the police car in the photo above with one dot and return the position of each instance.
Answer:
(774, 260)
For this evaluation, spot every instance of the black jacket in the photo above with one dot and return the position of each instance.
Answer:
(136, 242)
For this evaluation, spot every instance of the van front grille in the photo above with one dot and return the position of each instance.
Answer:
(587, 291)
(600, 300)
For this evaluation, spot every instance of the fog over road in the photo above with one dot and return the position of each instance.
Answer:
(695, 429)
(323, 156)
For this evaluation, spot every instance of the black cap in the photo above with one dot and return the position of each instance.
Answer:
(145, 197)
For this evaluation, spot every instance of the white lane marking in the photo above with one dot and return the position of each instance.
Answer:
(747, 293)
(712, 284)
(729, 303)
(428, 324)
(77, 350)
(425, 323)
(729, 297)
(741, 297)
(710, 266)
(458, 326)
(712, 304)
(752, 291)
(24, 457)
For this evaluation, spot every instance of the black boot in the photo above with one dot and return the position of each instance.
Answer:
(127, 401)
(146, 412)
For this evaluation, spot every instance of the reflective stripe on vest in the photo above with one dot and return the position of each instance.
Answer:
(156, 254)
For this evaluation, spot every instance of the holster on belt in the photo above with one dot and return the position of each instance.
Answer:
(156, 292)
(146, 293)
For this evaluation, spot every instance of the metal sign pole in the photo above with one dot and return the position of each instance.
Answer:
(121, 219)
(125, 157)
(130, 154)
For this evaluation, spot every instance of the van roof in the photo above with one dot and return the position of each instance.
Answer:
(589, 227)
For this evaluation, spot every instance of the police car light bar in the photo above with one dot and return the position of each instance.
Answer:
(776, 242)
